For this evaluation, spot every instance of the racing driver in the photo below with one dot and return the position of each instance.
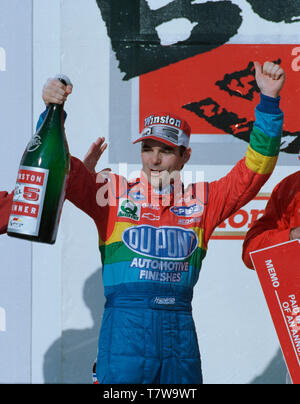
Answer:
(153, 236)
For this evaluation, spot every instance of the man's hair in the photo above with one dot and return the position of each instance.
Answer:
(182, 149)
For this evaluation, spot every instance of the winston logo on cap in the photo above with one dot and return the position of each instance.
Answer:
(162, 119)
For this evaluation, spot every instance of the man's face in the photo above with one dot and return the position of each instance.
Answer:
(162, 163)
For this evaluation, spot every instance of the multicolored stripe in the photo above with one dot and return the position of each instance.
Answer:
(264, 147)
(122, 265)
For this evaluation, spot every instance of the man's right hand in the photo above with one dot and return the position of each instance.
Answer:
(55, 92)
(295, 233)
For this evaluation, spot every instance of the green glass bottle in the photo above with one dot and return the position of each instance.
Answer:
(41, 181)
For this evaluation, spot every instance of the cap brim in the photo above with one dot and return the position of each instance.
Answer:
(159, 139)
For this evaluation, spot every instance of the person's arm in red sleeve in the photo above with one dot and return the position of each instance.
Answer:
(84, 190)
(5, 207)
(82, 187)
(271, 229)
(227, 195)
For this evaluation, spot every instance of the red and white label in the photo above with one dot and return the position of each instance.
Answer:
(28, 200)
(31, 177)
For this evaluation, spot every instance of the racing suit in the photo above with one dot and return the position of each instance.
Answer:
(5, 207)
(152, 247)
(282, 214)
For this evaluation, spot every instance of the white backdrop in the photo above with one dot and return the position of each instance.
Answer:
(15, 128)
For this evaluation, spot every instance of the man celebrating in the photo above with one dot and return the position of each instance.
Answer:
(153, 236)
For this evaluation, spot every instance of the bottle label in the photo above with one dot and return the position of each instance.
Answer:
(28, 200)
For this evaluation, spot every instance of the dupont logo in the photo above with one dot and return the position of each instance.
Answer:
(237, 225)
(163, 242)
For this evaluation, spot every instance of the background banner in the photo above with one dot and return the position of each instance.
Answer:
(189, 60)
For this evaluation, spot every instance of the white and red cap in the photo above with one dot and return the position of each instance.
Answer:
(167, 128)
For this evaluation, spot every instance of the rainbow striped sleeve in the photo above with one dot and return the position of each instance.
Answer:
(264, 147)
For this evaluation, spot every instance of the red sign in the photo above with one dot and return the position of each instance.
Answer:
(278, 270)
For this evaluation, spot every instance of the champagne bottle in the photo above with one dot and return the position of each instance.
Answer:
(41, 180)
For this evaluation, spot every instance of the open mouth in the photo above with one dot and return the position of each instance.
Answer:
(156, 173)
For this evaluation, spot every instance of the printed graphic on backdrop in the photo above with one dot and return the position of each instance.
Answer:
(216, 92)
(176, 55)
(278, 10)
(134, 29)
